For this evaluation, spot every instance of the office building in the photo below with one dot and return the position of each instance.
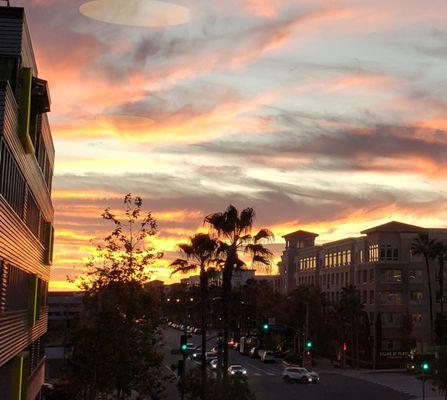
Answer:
(26, 211)
(391, 280)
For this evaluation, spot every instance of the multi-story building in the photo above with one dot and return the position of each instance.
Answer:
(295, 242)
(26, 211)
(392, 282)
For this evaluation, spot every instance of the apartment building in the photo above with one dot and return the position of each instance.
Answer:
(26, 211)
(295, 243)
(392, 282)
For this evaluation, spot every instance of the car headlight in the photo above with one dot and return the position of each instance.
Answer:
(232, 372)
(244, 372)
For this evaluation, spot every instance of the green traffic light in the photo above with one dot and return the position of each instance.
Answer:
(265, 327)
(425, 366)
(184, 347)
(308, 344)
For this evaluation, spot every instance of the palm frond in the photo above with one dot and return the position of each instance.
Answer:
(264, 234)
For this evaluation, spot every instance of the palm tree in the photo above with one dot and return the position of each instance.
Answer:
(351, 307)
(200, 254)
(426, 247)
(234, 231)
(261, 256)
(440, 253)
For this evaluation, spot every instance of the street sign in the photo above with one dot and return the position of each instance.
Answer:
(177, 352)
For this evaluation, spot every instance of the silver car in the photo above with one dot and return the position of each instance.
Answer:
(298, 374)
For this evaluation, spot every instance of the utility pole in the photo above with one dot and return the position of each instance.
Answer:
(306, 332)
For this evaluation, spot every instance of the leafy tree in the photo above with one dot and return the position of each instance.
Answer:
(234, 231)
(426, 247)
(200, 254)
(115, 341)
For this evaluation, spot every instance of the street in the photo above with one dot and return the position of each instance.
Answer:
(266, 379)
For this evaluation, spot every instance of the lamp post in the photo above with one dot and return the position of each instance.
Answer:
(425, 367)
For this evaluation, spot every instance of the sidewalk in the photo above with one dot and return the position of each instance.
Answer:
(397, 379)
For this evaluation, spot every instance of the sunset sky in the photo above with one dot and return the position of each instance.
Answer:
(329, 116)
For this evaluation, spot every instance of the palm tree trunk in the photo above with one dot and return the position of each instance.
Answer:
(203, 308)
(356, 333)
(441, 283)
(226, 283)
(427, 266)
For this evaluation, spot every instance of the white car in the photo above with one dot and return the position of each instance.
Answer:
(314, 375)
(213, 363)
(237, 370)
(297, 374)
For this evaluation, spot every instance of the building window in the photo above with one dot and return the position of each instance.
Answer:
(361, 256)
(390, 298)
(348, 257)
(333, 279)
(342, 279)
(389, 253)
(391, 319)
(373, 253)
(371, 297)
(17, 289)
(365, 297)
(391, 276)
(371, 275)
(347, 278)
(415, 275)
(365, 276)
(12, 183)
(337, 279)
(358, 277)
(416, 296)
(416, 318)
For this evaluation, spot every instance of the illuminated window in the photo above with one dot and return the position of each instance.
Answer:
(373, 253)
(416, 296)
(416, 318)
(391, 276)
(348, 257)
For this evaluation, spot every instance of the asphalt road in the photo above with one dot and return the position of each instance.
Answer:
(266, 380)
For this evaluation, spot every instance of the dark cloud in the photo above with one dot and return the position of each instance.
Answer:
(330, 146)
(274, 202)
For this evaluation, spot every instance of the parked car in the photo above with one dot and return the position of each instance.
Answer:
(298, 374)
(237, 370)
(266, 356)
(253, 353)
(210, 356)
(197, 331)
(213, 363)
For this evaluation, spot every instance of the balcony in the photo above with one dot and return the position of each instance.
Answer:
(16, 332)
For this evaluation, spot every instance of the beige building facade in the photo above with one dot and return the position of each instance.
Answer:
(392, 282)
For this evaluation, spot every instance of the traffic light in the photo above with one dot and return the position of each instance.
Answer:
(425, 366)
(345, 346)
(180, 368)
(309, 344)
(183, 341)
(265, 327)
